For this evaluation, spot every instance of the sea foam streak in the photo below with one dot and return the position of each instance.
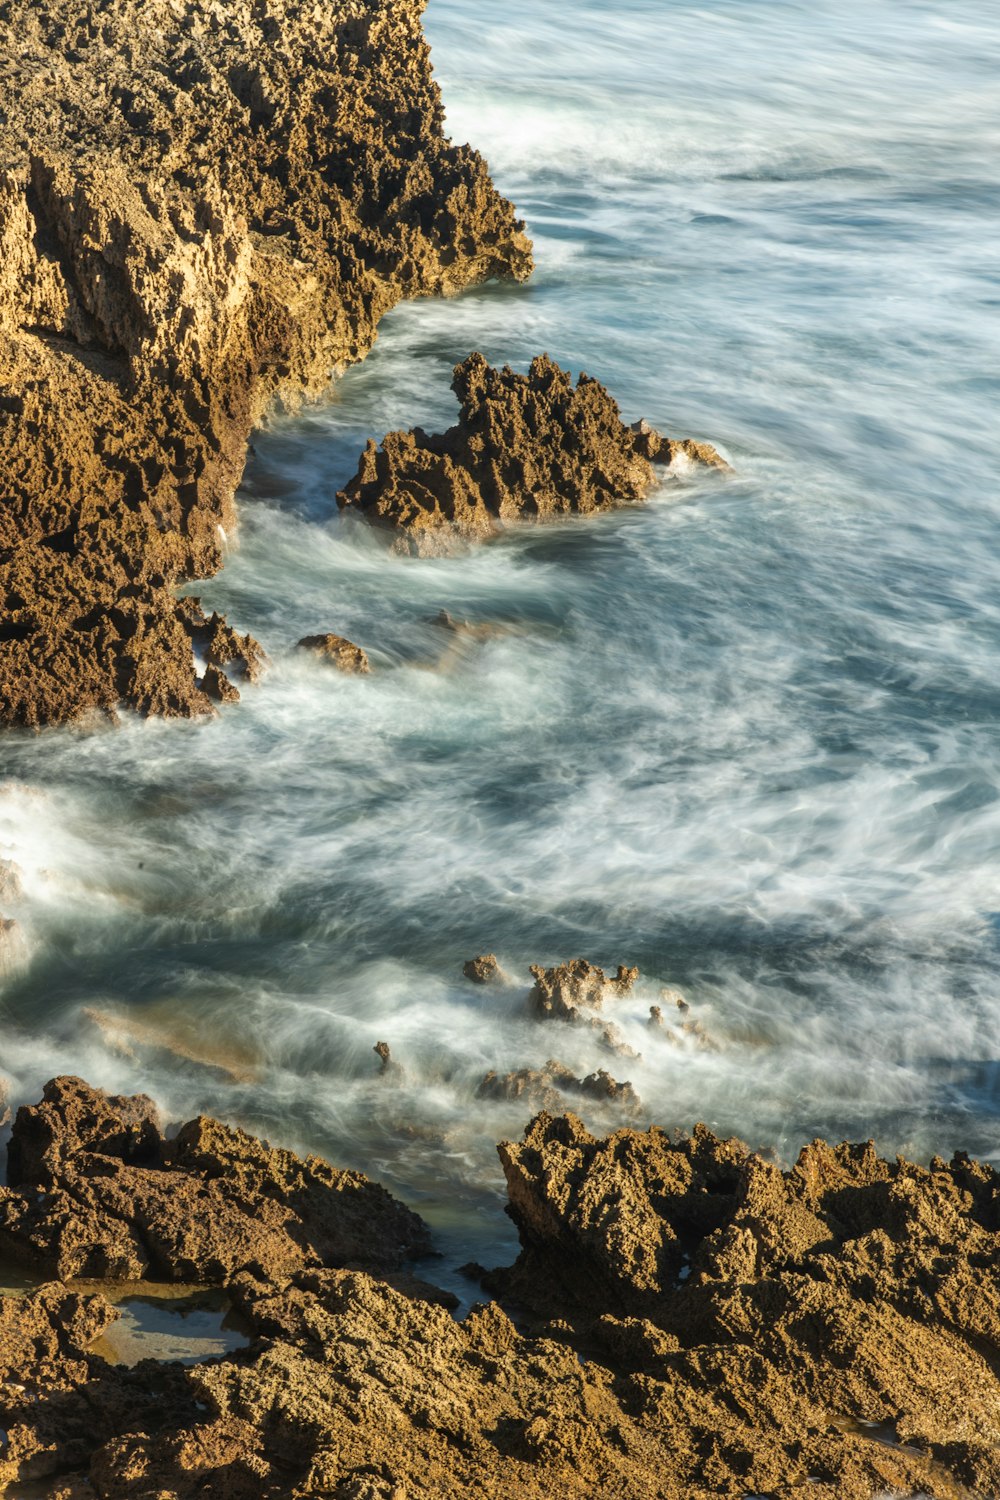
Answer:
(744, 737)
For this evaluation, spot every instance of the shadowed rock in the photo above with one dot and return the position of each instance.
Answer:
(547, 1087)
(526, 448)
(202, 208)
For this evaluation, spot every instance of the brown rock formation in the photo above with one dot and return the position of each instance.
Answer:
(340, 653)
(707, 1325)
(526, 447)
(96, 1190)
(544, 1087)
(561, 992)
(484, 969)
(200, 207)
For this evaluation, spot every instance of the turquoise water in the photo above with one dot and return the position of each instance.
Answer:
(746, 737)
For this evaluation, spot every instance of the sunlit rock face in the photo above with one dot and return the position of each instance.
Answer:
(200, 208)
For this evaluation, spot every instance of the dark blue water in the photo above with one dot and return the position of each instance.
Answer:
(746, 737)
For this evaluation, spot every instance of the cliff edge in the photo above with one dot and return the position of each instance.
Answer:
(202, 207)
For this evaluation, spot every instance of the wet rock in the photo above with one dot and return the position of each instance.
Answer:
(485, 969)
(526, 447)
(96, 1190)
(548, 1087)
(202, 208)
(218, 687)
(541, 1086)
(163, 1028)
(560, 993)
(480, 630)
(340, 653)
(382, 1052)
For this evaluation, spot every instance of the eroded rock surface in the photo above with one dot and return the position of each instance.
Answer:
(338, 652)
(96, 1190)
(692, 1322)
(526, 447)
(201, 207)
(546, 1087)
(564, 991)
(483, 969)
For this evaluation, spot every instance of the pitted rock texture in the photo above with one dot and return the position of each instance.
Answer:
(560, 993)
(526, 448)
(96, 1190)
(703, 1325)
(201, 207)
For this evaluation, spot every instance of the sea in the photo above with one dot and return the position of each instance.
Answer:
(745, 737)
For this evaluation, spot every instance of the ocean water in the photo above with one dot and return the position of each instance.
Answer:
(746, 737)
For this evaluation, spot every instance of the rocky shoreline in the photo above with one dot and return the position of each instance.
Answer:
(684, 1319)
(202, 211)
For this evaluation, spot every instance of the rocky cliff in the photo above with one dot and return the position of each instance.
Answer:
(202, 207)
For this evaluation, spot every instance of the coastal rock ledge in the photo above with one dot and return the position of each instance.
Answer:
(691, 1322)
(202, 207)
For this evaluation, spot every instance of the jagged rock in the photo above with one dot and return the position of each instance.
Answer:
(384, 1054)
(705, 1325)
(96, 1190)
(560, 992)
(526, 447)
(340, 653)
(218, 687)
(202, 207)
(484, 969)
(545, 1086)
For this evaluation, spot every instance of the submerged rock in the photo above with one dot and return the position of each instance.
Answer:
(202, 208)
(526, 447)
(546, 1087)
(340, 653)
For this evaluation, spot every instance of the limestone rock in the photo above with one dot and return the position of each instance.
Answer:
(562, 992)
(202, 207)
(484, 969)
(340, 653)
(547, 1087)
(693, 1322)
(526, 447)
(96, 1190)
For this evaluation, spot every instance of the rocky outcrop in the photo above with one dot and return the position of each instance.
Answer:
(546, 1087)
(337, 652)
(526, 448)
(483, 969)
(693, 1322)
(562, 992)
(96, 1190)
(201, 208)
